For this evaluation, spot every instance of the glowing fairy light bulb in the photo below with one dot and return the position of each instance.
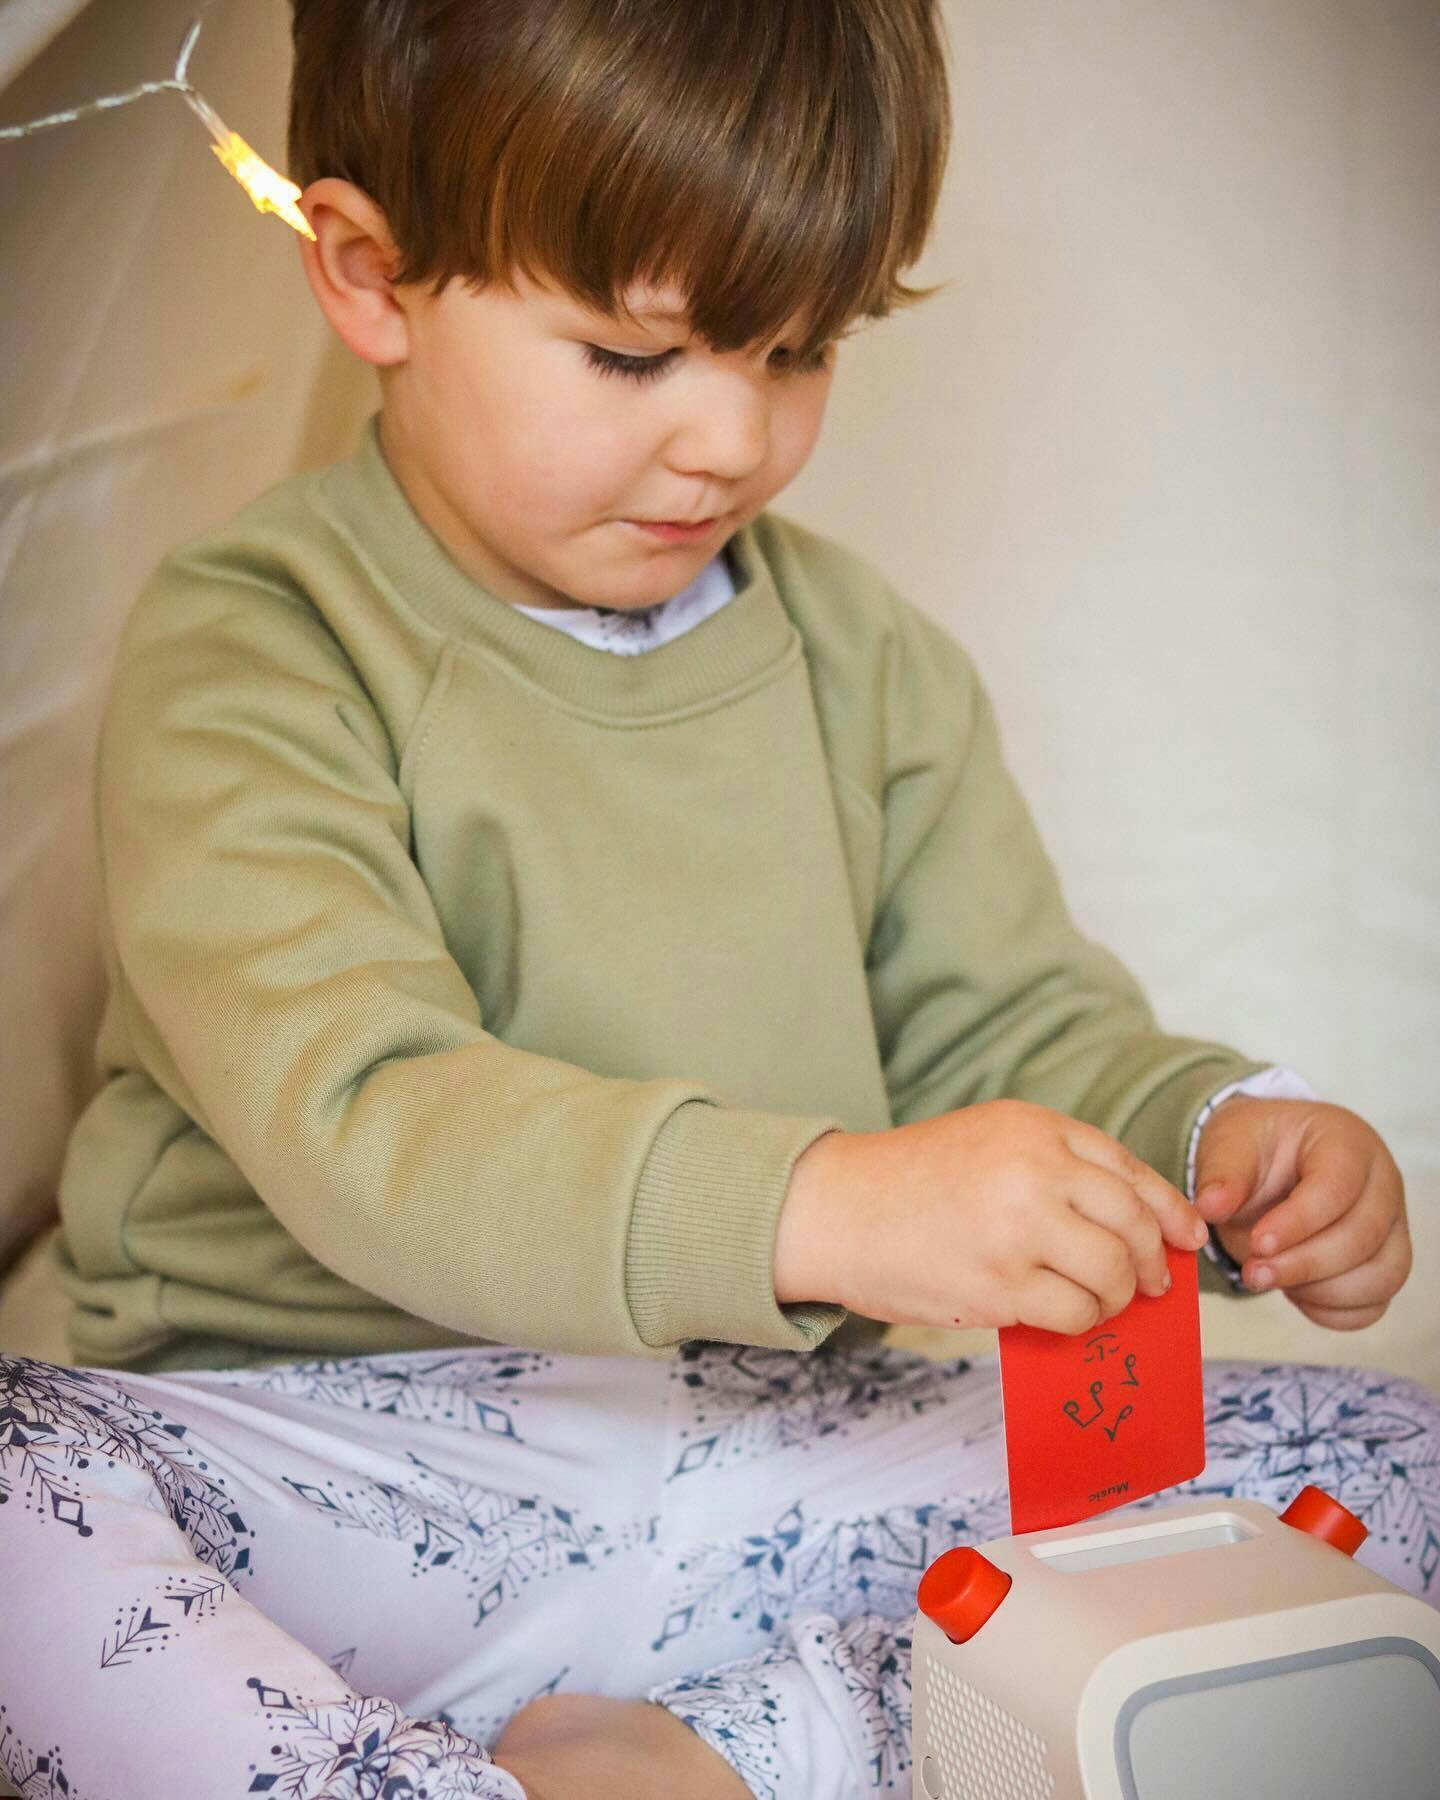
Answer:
(270, 191)
(267, 187)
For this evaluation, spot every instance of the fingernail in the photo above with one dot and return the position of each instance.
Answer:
(1165, 1285)
(1265, 1245)
(1200, 1233)
(1262, 1277)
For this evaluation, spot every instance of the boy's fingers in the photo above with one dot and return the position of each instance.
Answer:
(1174, 1212)
(1227, 1167)
(1220, 1194)
(1110, 1201)
(1364, 1285)
(1053, 1302)
(1097, 1259)
(1345, 1318)
(1318, 1200)
(1351, 1301)
(1356, 1239)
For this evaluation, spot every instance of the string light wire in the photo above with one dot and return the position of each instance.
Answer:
(269, 190)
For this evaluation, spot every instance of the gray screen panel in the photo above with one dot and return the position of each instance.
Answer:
(1357, 1719)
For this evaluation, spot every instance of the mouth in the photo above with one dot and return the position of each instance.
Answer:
(676, 530)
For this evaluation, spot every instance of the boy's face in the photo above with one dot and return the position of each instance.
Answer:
(529, 463)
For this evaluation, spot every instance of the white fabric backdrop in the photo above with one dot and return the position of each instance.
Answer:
(27, 26)
(162, 363)
(1166, 457)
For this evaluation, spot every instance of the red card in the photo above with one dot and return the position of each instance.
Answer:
(1107, 1416)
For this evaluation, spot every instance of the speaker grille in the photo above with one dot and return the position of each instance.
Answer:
(982, 1751)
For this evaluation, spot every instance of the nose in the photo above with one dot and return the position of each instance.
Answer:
(725, 435)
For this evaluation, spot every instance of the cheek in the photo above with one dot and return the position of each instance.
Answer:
(795, 430)
(584, 445)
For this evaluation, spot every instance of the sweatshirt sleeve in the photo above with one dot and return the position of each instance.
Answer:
(981, 984)
(286, 982)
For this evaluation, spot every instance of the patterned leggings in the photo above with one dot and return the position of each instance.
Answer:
(342, 1578)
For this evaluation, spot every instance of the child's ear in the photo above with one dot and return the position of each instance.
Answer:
(348, 268)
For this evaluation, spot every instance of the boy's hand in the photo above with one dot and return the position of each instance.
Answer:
(594, 1747)
(1312, 1190)
(999, 1213)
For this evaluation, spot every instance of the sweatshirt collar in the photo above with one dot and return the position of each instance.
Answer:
(748, 640)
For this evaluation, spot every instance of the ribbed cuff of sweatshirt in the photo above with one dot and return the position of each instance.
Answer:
(699, 1258)
(1159, 1132)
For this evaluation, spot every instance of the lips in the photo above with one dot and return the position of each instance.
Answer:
(676, 534)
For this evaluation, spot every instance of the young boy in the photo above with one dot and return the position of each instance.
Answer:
(554, 901)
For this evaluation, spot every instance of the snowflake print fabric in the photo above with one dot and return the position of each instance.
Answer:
(341, 1578)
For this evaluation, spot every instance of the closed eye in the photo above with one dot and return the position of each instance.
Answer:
(650, 368)
(638, 368)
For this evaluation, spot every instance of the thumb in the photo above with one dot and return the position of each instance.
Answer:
(1226, 1171)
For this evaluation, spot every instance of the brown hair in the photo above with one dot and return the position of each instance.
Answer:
(774, 159)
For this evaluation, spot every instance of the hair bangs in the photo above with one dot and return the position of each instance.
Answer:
(774, 166)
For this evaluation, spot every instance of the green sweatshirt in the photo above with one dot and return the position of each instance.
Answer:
(468, 983)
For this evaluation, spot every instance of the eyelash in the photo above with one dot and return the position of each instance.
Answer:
(649, 368)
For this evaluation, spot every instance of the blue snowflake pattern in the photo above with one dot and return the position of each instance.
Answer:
(150, 1625)
(870, 1660)
(862, 1673)
(476, 1390)
(496, 1542)
(54, 1422)
(869, 1564)
(1371, 1440)
(482, 1716)
(745, 1403)
(34, 1774)
(368, 1749)
(738, 1713)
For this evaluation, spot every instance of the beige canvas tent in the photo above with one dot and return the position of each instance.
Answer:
(1166, 456)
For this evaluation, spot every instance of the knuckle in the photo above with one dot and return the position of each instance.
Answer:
(1086, 1312)
(1119, 1265)
(1147, 1221)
